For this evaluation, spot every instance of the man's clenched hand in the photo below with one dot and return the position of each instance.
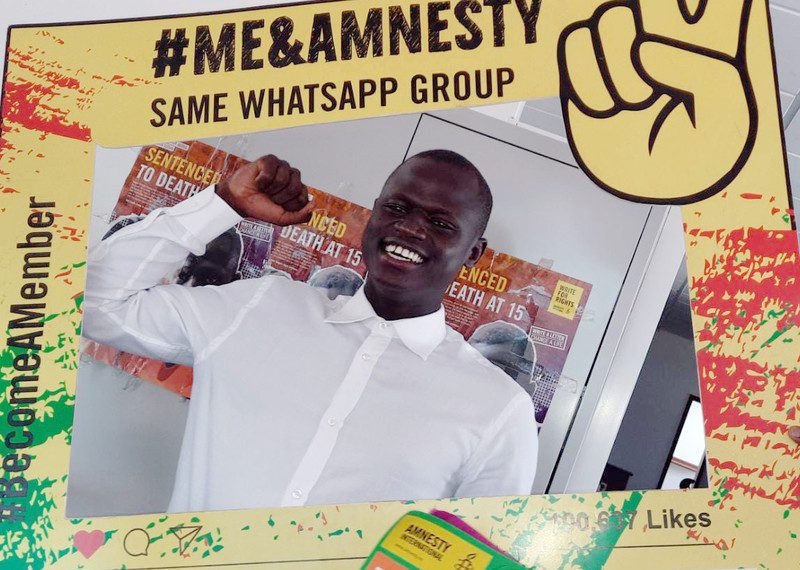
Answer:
(268, 189)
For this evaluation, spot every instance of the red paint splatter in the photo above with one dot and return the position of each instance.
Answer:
(721, 544)
(749, 297)
(749, 196)
(119, 80)
(751, 441)
(36, 91)
(47, 34)
(25, 104)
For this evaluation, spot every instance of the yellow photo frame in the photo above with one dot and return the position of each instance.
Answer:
(723, 147)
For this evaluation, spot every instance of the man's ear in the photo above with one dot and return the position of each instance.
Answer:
(476, 252)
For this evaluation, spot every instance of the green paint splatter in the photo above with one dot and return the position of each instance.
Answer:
(25, 536)
(522, 544)
(515, 507)
(604, 541)
(774, 336)
(339, 532)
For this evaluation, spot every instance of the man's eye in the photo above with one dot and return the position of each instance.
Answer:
(442, 224)
(398, 208)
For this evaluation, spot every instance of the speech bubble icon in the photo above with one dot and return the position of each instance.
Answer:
(136, 542)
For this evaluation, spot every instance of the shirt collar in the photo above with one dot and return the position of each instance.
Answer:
(421, 335)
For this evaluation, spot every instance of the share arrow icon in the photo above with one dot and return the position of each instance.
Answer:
(185, 536)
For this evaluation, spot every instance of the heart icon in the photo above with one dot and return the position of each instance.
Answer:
(87, 543)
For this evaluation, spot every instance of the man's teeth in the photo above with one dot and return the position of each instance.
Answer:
(403, 254)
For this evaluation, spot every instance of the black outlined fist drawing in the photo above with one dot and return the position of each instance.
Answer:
(652, 117)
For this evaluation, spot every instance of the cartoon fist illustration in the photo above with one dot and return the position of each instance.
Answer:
(654, 118)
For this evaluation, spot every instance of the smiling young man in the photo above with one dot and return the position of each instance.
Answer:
(298, 399)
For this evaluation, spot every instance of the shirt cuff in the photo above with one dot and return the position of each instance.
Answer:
(205, 215)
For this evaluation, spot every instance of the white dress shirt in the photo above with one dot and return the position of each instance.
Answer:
(298, 399)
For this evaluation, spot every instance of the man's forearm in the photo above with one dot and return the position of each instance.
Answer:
(124, 271)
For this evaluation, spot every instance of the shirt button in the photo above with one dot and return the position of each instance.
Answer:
(331, 421)
(365, 356)
(384, 325)
(297, 493)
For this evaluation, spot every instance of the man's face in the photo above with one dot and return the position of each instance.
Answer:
(425, 226)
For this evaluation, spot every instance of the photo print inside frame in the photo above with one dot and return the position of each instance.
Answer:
(538, 305)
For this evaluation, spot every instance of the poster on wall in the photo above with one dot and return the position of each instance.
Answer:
(522, 317)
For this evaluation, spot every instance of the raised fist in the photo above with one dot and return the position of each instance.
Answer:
(268, 189)
(657, 117)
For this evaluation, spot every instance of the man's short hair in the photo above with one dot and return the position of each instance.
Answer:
(451, 157)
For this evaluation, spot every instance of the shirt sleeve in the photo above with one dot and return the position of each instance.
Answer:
(505, 461)
(124, 304)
